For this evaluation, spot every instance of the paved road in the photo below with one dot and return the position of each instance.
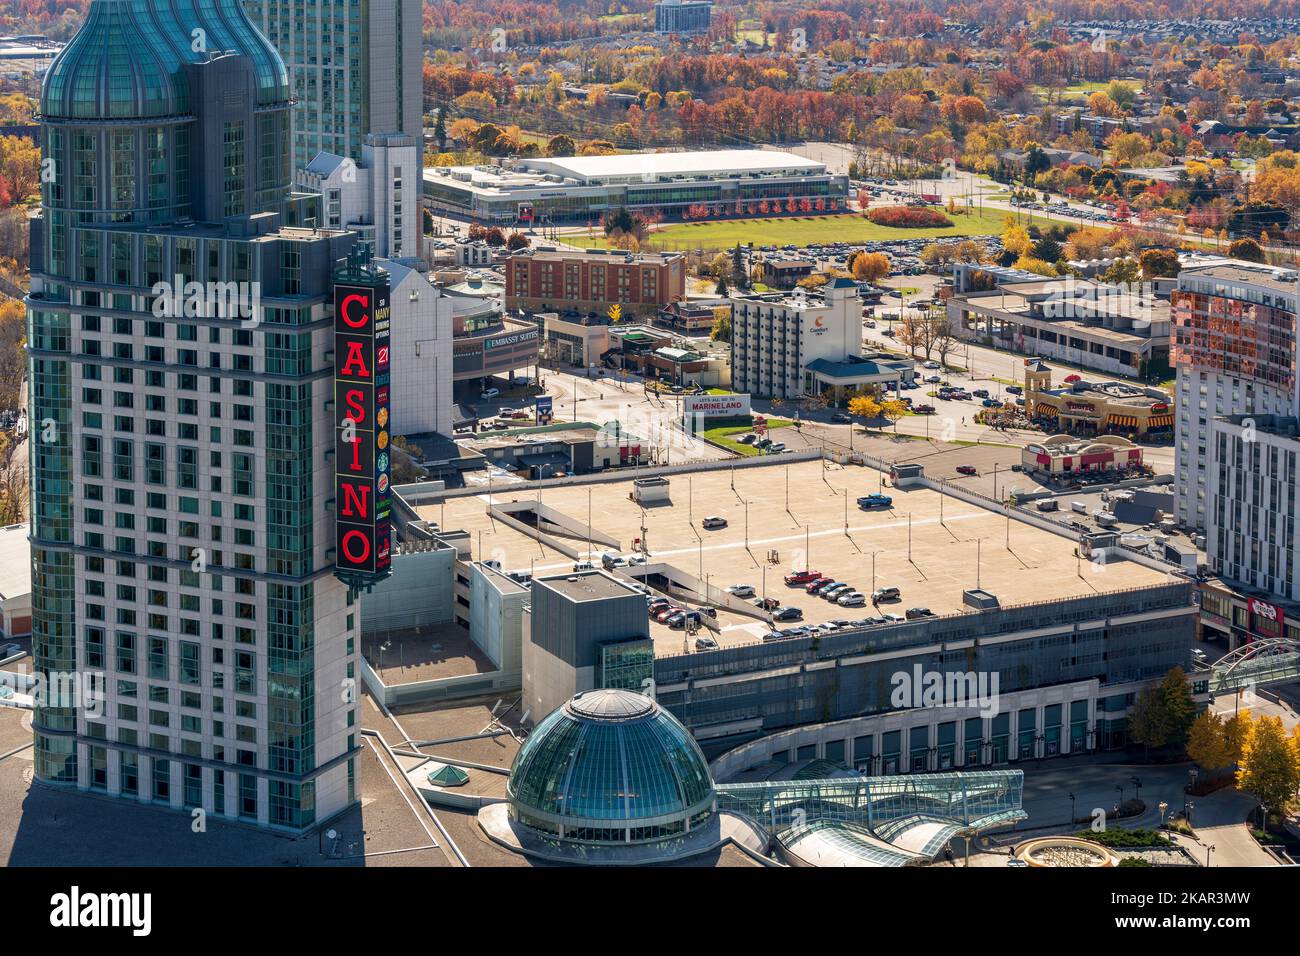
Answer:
(1219, 818)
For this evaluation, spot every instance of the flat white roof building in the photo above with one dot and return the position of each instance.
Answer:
(634, 167)
(581, 188)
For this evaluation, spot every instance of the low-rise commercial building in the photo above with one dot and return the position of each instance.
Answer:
(486, 341)
(693, 318)
(1061, 456)
(1234, 614)
(739, 182)
(564, 448)
(1091, 324)
(593, 281)
(1081, 407)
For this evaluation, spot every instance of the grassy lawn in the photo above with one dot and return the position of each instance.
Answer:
(800, 230)
(723, 435)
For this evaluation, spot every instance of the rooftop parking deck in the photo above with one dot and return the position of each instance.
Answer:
(783, 518)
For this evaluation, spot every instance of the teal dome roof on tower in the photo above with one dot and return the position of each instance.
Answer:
(125, 62)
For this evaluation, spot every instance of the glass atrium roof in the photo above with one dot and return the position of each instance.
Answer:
(609, 759)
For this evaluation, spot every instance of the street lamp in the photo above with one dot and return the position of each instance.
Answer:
(1163, 808)
(1073, 817)
(1209, 849)
(1137, 788)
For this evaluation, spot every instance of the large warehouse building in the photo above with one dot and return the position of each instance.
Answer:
(731, 182)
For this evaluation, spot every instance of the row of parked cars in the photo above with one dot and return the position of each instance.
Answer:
(763, 443)
(1061, 207)
(664, 611)
(841, 624)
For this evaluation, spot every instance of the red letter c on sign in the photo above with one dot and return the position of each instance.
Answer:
(364, 300)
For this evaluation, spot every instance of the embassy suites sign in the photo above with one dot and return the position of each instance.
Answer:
(362, 515)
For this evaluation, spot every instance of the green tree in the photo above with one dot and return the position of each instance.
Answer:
(440, 129)
(1163, 715)
(1047, 249)
(1180, 709)
(1147, 723)
(721, 331)
(738, 274)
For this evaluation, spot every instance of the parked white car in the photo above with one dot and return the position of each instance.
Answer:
(851, 599)
(741, 590)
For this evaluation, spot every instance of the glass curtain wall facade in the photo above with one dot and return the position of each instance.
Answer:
(355, 69)
(177, 362)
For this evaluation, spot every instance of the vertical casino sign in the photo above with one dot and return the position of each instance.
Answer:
(363, 527)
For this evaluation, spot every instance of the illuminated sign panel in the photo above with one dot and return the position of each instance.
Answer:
(363, 531)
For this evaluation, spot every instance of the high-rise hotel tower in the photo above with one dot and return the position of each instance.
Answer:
(355, 68)
(181, 367)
